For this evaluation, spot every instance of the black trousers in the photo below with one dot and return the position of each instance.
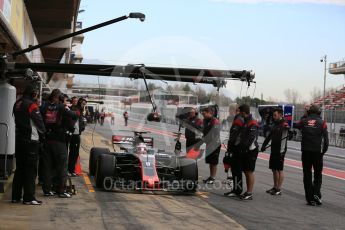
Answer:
(312, 160)
(26, 170)
(68, 140)
(54, 163)
(126, 121)
(236, 171)
(40, 165)
(74, 146)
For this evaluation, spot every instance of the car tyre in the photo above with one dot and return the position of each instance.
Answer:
(105, 168)
(94, 153)
(189, 174)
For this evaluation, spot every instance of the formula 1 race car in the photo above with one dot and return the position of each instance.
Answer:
(137, 166)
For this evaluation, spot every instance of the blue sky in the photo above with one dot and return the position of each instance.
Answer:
(282, 42)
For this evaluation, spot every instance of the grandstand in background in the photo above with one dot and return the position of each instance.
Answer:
(334, 100)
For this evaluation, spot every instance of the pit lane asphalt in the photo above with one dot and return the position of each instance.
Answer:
(265, 211)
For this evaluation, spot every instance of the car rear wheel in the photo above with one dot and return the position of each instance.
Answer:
(189, 174)
(105, 168)
(94, 153)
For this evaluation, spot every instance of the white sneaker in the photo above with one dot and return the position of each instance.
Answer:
(33, 202)
(50, 193)
(64, 195)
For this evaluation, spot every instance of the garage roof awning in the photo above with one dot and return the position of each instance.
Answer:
(50, 19)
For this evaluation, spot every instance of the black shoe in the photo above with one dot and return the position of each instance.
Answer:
(64, 195)
(270, 190)
(311, 203)
(71, 174)
(276, 192)
(209, 180)
(246, 196)
(16, 201)
(228, 181)
(231, 194)
(33, 202)
(50, 193)
(317, 200)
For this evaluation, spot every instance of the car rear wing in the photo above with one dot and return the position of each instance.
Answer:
(128, 140)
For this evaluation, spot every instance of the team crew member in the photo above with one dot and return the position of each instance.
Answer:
(79, 126)
(125, 116)
(112, 121)
(68, 123)
(314, 145)
(234, 149)
(42, 149)
(55, 115)
(96, 117)
(211, 137)
(278, 137)
(29, 126)
(249, 149)
(102, 116)
(193, 125)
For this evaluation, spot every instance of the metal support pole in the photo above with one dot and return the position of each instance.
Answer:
(324, 59)
(61, 38)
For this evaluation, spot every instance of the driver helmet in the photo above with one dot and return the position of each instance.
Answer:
(142, 148)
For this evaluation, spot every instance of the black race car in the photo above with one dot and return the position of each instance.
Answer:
(135, 165)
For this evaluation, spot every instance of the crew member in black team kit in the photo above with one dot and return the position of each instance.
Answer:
(278, 137)
(78, 105)
(314, 145)
(29, 126)
(249, 149)
(125, 117)
(193, 125)
(211, 137)
(234, 149)
(55, 115)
